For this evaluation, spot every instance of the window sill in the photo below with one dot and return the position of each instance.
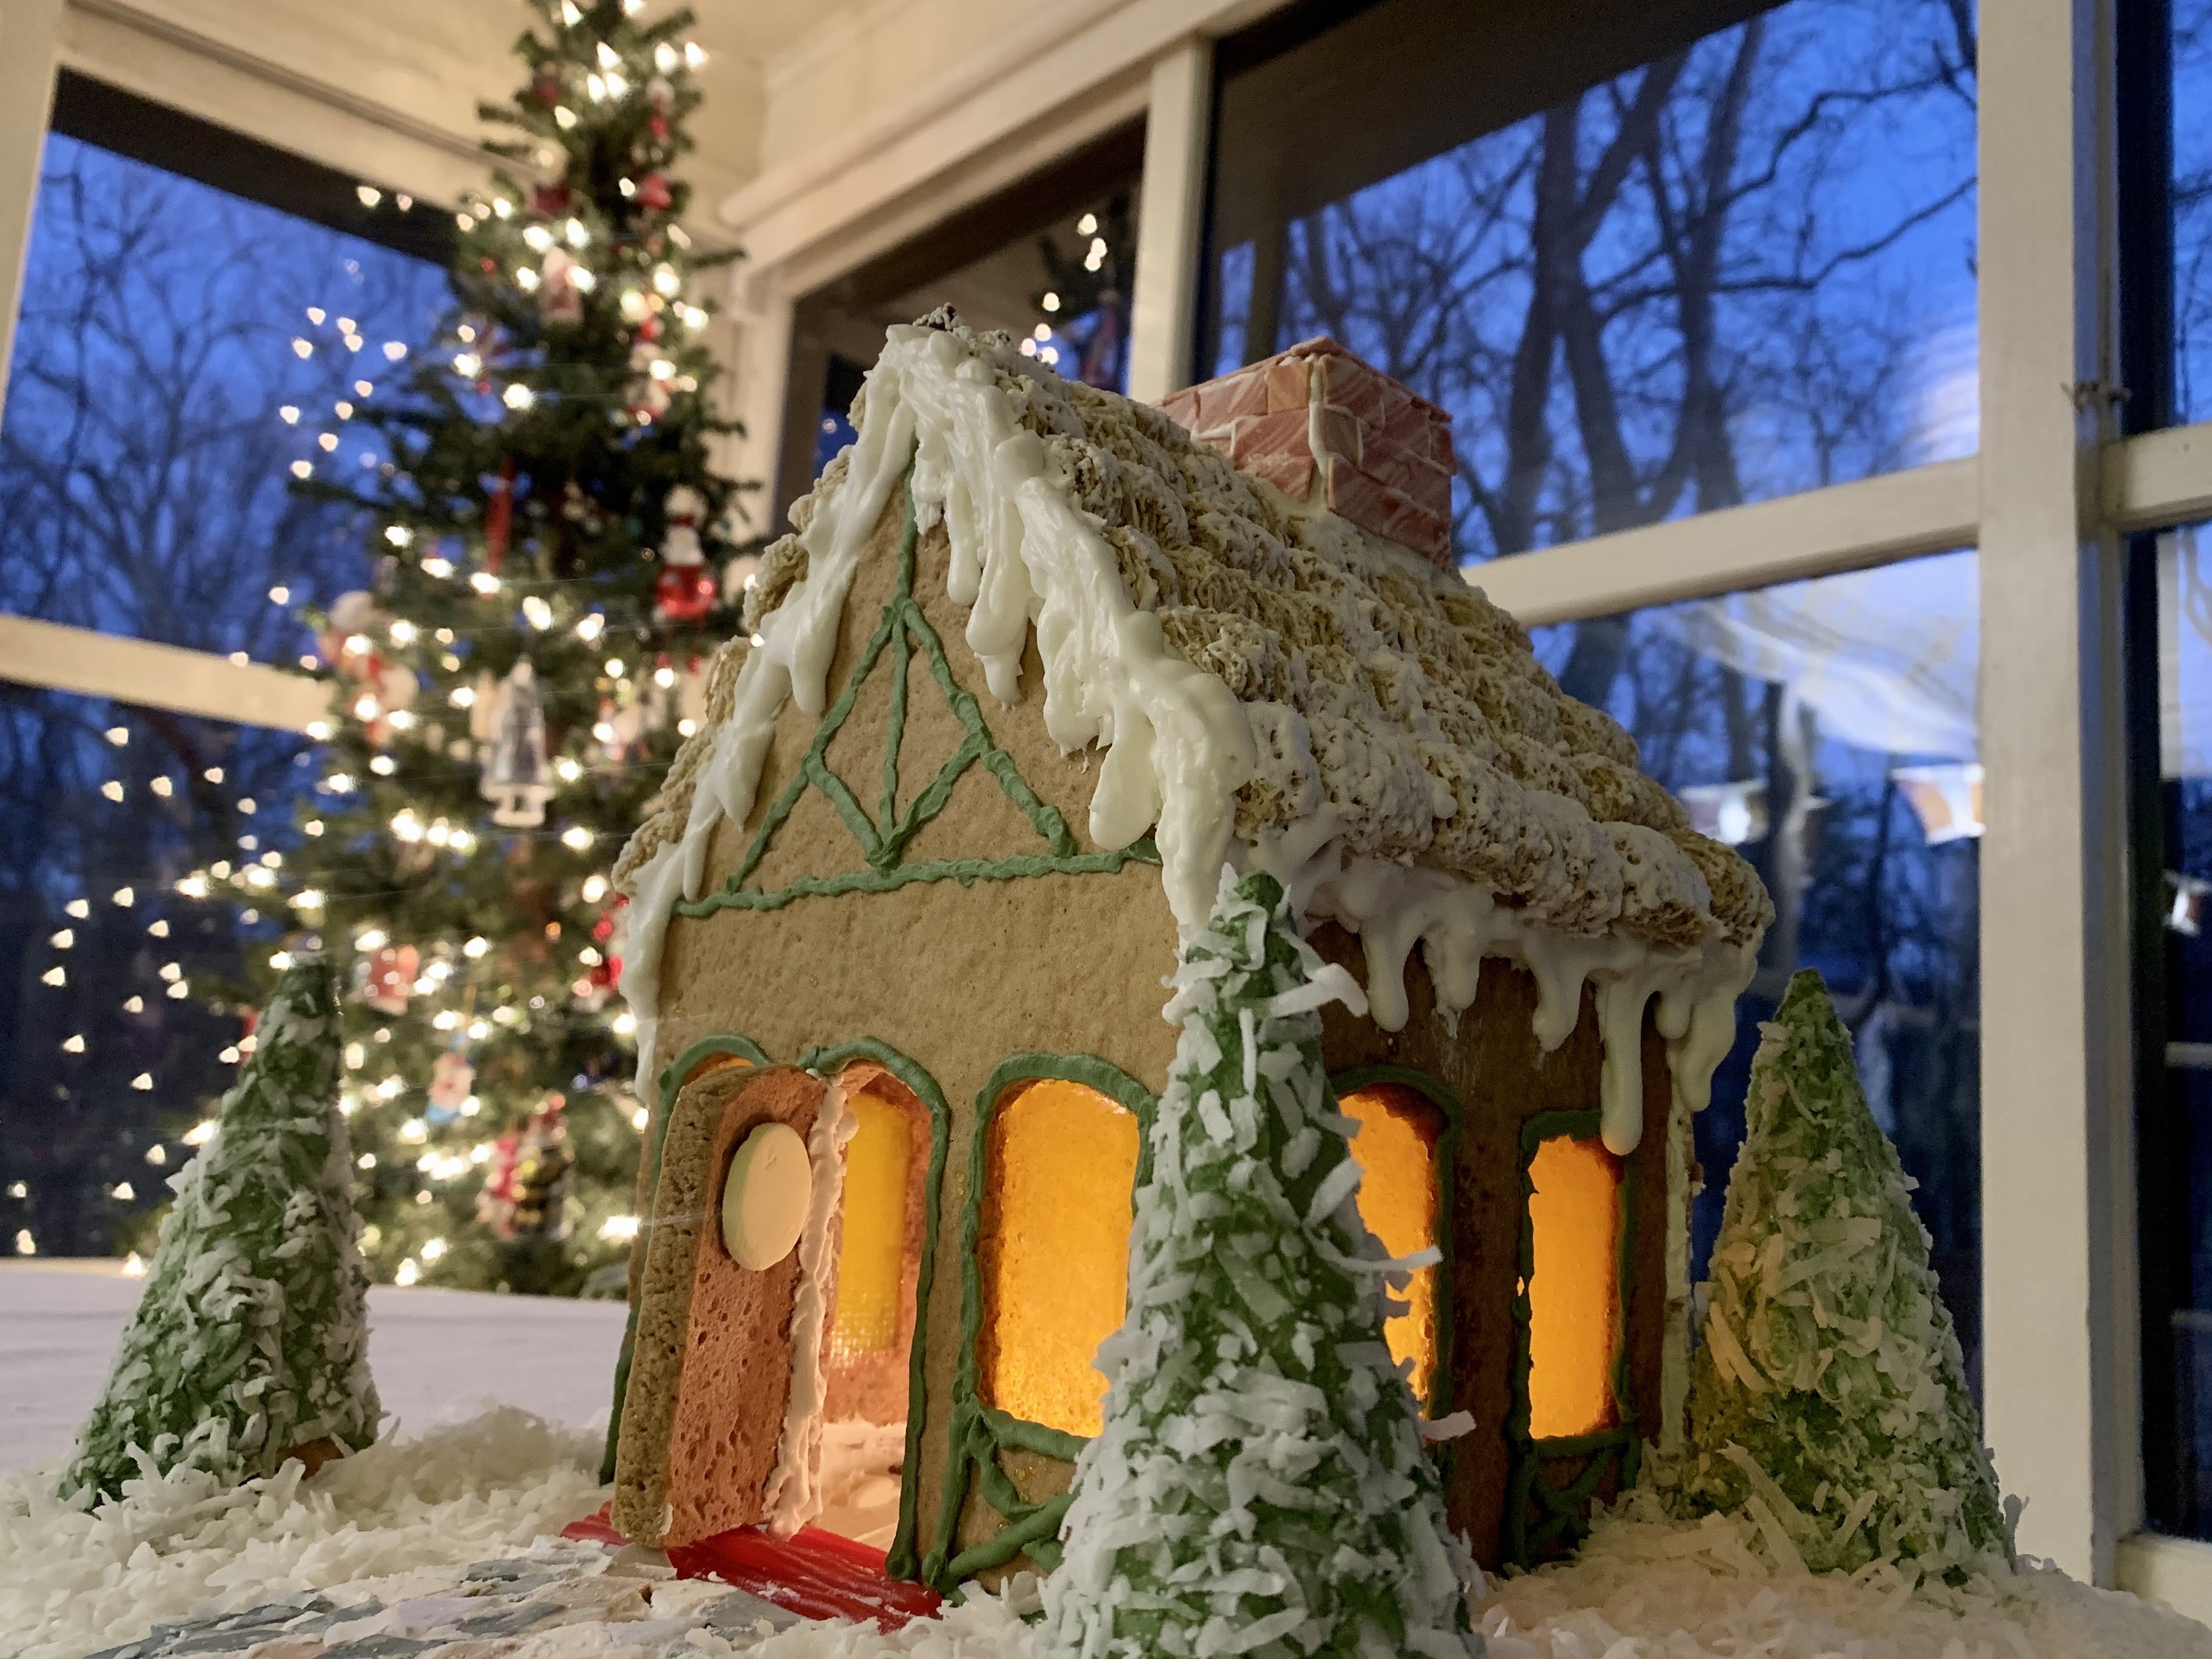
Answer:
(2177, 1572)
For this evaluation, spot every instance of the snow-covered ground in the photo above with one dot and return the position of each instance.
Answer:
(438, 1355)
(430, 1541)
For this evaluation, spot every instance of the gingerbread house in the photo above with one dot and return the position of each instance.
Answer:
(1035, 663)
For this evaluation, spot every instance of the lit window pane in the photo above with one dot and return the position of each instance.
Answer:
(1055, 1251)
(1395, 1148)
(145, 456)
(1574, 1294)
(1828, 729)
(1743, 270)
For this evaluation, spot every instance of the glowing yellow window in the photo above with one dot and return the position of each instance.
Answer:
(880, 1162)
(1053, 1250)
(1574, 1293)
(1395, 1147)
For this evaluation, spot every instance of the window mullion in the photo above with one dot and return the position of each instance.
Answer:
(2058, 1328)
(29, 38)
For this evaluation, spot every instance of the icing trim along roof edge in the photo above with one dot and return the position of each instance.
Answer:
(1337, 781)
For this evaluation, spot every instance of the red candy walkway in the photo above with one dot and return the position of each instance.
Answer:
(815, 1574)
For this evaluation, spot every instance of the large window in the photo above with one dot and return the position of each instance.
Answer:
(115, 1032)
(1829, 731)
(183, 354)
(1649, 273)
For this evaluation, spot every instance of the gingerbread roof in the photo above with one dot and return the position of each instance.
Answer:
(1273, 685)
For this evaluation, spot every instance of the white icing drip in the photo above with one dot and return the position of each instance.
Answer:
(1392, 907)
(1178, 742)
(793, 1494)
(1178, 745)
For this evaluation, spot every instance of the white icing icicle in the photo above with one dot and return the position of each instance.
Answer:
(1394, 907)
(1178, 742)
(793, 1493)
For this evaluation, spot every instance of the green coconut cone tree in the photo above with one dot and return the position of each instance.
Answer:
(251, 1342)
(1828, 1397)
(1260, 1483)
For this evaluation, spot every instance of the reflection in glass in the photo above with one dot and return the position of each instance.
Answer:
(147, 454)
(1743, 269)
(1828, 729)
(116, 1049)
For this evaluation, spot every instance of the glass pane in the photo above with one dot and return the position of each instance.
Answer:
(1723, 270)
(2177, 1126)
(182, 354)
(2192, 210)
(1050, 260)
(113, 1046)
(1827, 730)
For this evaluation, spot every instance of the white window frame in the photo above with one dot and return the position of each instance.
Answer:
(2046, 500)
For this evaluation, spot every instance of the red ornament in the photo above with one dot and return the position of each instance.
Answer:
(391, 978)
(650, 328)
(489, 264)
(499, 518)
(657, 125)
(546, 89)
(550, 200)
(683, 593)
(652, 193)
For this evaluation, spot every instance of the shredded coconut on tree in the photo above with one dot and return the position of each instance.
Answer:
(251, 1343)
(1260, 1484)
(1828, 1401)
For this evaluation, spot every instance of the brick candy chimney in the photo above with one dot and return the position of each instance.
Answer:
(1322, 427)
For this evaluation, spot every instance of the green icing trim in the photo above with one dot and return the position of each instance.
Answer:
(1566, 1513)
(899, 1561)
(672, 1079)
(981, 1431)
(883, 838)
(1448, 1107)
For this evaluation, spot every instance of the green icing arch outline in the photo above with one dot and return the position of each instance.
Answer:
(1566, 1514)
(884, 839)
(899, 1561)
(978, 1431)
(1454, 1113)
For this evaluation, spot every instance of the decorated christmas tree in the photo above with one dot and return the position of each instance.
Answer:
(1260, 1484)
(550, 578)
(1828, 1395)
(249, 1343)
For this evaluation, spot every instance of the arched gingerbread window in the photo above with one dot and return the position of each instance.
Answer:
(882, 1227)
(1406, 1120)
(1051, 1248)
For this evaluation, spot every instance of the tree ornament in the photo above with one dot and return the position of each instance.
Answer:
(499, 518)
(249, 1343)
(541, 1173)
(560, 302)
(554, 200)
(384, 978)
(1829, 1397)
(545, 88)
(346, 642)
(496, 1198)
(654, 193)
(685, 589)
(649, 398)
(452, 1077)
(1260, 1483)
(516, 779)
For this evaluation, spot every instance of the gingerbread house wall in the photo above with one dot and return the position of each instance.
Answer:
(956, 978)
(1502, 1079)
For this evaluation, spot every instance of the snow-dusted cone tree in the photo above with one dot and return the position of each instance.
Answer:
(1828, 1395)
(1260, 1483)
(251, 1343)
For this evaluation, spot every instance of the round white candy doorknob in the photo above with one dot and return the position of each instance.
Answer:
(764, 1197)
